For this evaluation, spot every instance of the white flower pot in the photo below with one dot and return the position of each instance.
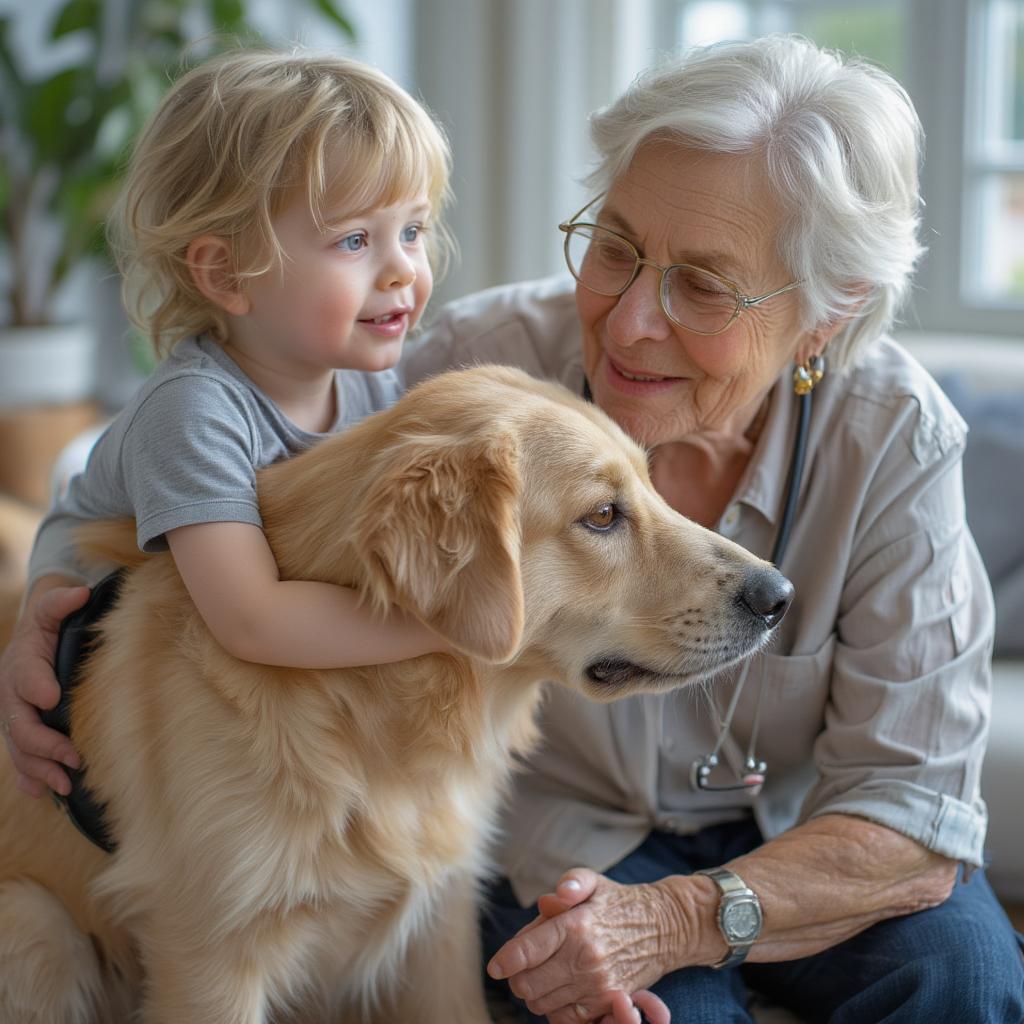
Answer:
(53, 365)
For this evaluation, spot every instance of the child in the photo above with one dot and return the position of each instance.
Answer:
(276, 226)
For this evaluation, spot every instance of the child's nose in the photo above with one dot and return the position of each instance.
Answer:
(398, 271)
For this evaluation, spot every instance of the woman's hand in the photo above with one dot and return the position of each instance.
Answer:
(595, 942)
(27, 683)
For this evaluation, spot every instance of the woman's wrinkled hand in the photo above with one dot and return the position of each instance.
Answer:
(591, 953)
(27, 683)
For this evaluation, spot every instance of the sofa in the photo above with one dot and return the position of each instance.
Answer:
(985, 380)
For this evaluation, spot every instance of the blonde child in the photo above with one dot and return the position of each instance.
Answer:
(275, 232)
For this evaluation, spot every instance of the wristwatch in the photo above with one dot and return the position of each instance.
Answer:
(739, 915)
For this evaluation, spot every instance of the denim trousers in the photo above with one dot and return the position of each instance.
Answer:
(958, 963)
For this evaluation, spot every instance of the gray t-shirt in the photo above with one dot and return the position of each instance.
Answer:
(186, 450)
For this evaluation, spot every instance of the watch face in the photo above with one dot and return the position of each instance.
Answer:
(741, 921)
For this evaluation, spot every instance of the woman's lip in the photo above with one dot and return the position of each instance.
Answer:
(390, 328)
(617, 379)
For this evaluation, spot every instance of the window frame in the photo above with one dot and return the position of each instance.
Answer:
(947, 84)
(981, 162)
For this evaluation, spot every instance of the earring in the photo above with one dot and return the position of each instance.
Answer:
(808, 374)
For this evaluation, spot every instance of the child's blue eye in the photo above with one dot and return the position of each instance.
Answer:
(352, 243)
(411, 233)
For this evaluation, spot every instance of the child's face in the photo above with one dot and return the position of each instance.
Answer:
(346, 296)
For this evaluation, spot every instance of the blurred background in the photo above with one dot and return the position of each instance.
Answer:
(513, 81)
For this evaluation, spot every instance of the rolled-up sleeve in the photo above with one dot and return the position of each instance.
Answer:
(908, 710)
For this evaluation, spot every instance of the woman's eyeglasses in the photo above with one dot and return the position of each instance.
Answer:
(695, 299)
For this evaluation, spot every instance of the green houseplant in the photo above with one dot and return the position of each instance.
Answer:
(63, 135)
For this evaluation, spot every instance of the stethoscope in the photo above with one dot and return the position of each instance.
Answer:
(752, 777)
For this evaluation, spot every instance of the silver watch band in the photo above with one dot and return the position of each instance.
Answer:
(739, 914)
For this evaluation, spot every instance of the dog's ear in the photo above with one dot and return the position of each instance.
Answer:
(439, 535)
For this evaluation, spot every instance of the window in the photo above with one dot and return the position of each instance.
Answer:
(993, 257)
(872, 29)
(962, 61)
(518, 124)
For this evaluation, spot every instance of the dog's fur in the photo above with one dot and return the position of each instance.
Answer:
(18, 524)
(305, 845)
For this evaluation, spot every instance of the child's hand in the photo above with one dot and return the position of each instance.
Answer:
(27, 683)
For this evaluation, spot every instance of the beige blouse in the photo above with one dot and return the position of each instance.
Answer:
(876, 692)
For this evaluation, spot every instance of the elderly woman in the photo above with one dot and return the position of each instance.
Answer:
(811, 826)
(751, 237)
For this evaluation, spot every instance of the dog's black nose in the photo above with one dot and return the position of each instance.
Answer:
(767, 594)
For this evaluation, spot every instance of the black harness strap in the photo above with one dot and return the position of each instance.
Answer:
(77, 634)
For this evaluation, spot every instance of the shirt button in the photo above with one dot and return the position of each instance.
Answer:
(732, 516)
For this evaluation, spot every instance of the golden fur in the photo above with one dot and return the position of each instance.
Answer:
(18, 524)
(303, 846)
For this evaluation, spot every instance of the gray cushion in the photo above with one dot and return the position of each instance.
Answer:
(994, 487)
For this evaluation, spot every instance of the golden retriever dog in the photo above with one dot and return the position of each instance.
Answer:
(305, 846)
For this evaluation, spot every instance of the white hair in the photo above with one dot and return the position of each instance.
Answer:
(840, 141)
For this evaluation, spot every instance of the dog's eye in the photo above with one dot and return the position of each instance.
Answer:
(601, 518)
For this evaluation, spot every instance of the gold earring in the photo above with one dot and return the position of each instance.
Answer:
(808, 374)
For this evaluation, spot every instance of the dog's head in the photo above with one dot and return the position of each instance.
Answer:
(521, 524)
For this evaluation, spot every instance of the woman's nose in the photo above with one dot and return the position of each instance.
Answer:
(637, 313)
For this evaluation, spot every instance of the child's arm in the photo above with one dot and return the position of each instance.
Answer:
(230, 573)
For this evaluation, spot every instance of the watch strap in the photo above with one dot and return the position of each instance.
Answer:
(732, 888)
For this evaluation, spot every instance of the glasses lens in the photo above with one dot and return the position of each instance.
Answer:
(699, 301)
(600, 260)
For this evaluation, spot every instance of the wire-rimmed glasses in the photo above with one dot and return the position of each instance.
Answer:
(696, 299)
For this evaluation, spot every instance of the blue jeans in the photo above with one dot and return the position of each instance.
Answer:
(959, 963)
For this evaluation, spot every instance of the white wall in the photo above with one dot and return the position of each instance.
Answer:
(384, 31)
(514, 83)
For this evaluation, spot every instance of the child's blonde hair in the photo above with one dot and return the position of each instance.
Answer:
(232, 142)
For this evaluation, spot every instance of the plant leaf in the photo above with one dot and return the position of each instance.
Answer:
(46, 106)
(228, 15)
(10, 75)
(335, 17)
(76, 15)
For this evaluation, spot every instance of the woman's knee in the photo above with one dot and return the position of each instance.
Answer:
(978, 972)
(966, 972)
